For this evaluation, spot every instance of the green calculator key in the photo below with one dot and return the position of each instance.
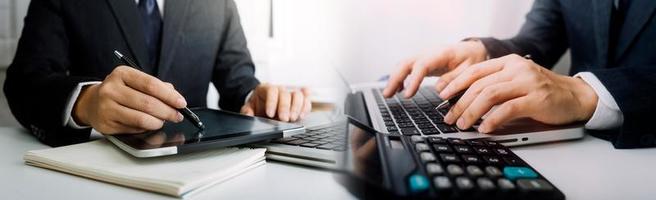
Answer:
(418, 183)
(514, 173)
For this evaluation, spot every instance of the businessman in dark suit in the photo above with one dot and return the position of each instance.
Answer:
(65, 80)
(612, 86)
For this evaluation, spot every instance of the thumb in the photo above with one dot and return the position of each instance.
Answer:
(247, 110)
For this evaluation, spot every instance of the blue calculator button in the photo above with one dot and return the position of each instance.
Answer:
(418, 183)
(514, 173)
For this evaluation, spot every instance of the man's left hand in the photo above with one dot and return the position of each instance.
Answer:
(520, 88)
(277, 102)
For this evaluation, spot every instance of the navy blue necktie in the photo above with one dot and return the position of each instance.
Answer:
(617, 16)
(152, 25)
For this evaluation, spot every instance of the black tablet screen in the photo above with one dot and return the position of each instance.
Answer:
(218, 125)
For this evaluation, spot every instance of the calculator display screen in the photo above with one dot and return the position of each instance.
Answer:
(362, 158)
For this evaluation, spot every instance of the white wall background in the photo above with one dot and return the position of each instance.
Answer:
(11, 22)
(363, 39)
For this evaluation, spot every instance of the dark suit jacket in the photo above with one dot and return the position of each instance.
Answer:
(65, 42)
(583, 26)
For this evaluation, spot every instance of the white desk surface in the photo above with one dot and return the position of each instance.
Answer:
(584, 169)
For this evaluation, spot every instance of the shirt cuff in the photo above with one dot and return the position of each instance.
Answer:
(607, 115)
(68, 117)
(248, 96)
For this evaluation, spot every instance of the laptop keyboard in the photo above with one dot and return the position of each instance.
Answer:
(327, 138)
(415, 116)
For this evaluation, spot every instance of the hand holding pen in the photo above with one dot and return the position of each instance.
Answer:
(125, 101)
(186, 112)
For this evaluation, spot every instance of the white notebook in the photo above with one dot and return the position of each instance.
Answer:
(177, 175)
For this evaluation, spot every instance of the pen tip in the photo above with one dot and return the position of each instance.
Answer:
(118, 54)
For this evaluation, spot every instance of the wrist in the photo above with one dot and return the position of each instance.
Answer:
(478, 48)
(80, 109)
(586, 97)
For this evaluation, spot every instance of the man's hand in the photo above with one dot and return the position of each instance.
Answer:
(128, 101)
(521, 88)
(447, 64)
(276, 102)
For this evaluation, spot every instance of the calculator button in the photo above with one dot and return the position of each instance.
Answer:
(493, 171)
(418, 183)
(462, 149)
(456, 141)
(427, 157)
(502, 152)
(471, 159)
(534, 185)
(464, 183)
(454, 170)
(449, 158)
(513, 161)
(416, 138)
(434, 169)
(442, 148)
(485, 184)
(475, 142)
(436, 140)
(492, 143)
(442, 183)
(422, 147)
(505, 184)
(513, 173)
(493, 160)
(482, 150)
(474, 170)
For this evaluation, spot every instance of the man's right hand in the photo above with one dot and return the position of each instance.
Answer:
(447, 64)
(128, 101)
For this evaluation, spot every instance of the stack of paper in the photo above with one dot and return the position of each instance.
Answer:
(178, 175)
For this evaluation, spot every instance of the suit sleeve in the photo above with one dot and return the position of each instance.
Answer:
(632, 88)
(543, 36)
(234, 74)
(38, 85)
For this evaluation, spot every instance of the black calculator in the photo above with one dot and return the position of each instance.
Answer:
(383, 166)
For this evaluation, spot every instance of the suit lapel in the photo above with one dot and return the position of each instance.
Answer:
(601, 19)
(638, 14)
(174, 19)
(127, 15)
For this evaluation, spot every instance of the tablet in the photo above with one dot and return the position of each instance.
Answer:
(222, 129)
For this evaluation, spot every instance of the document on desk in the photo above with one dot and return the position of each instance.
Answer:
(178, 175)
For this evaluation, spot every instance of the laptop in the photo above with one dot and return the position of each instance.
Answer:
(321, 145)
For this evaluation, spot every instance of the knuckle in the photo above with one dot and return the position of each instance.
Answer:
(147, 105)
(151, 85)
(458, 108)
(468, 116)
(490, 93)
(475, 71)
(512, 108)
(104, 90)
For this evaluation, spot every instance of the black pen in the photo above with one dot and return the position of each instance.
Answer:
(188, 114)
(450, 101)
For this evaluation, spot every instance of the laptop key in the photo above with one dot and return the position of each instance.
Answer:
(327, 146)
(410, 131)
(284, 140)
(430, 131)
(297, 142)
(311, 144)
(447, 128)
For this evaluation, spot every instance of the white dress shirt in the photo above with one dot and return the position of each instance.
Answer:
(607, 115)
